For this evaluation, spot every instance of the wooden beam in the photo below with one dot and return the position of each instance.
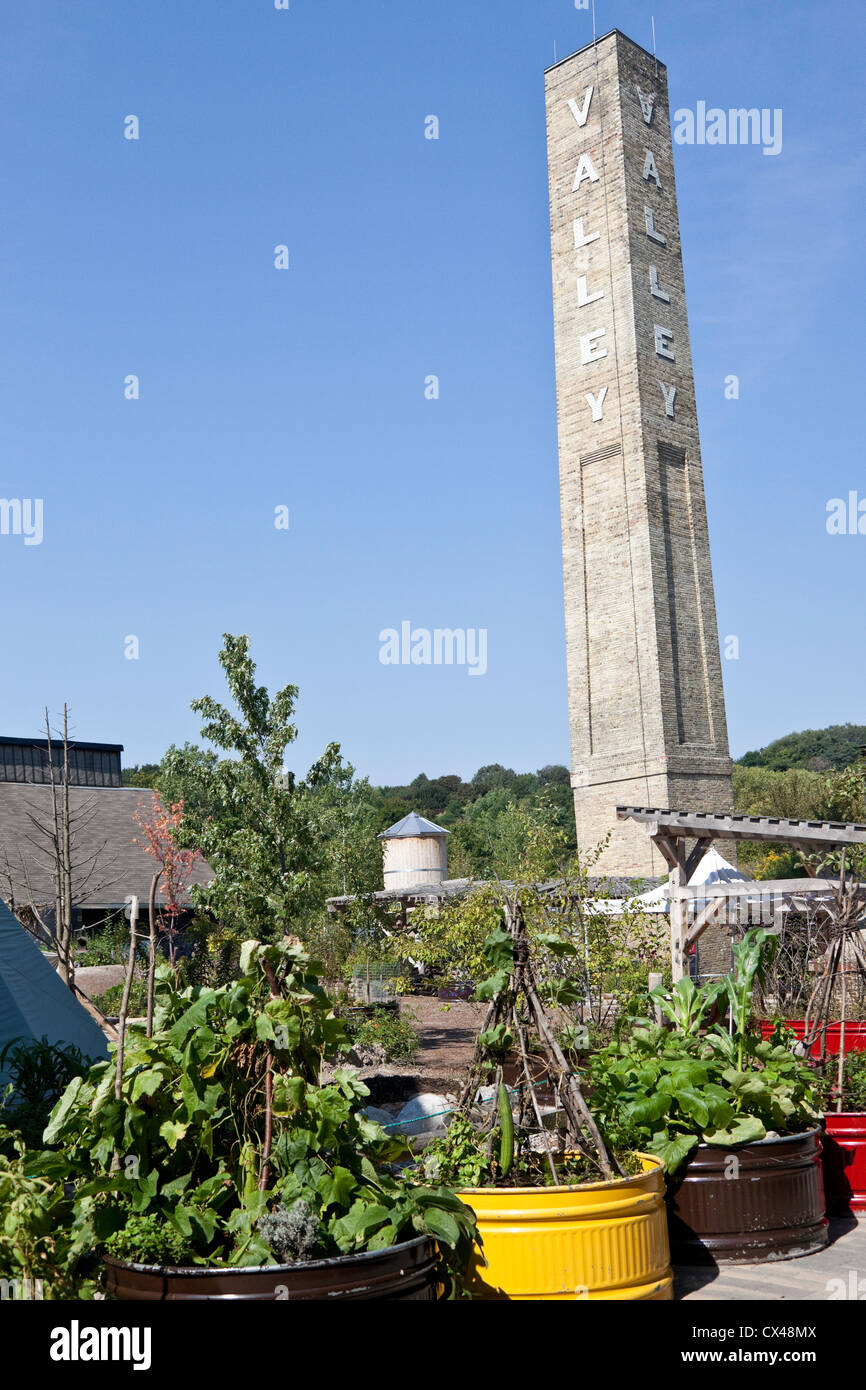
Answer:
(730, 826)
(700, 849)
(700, 924)
(666, 847)
(761, 887)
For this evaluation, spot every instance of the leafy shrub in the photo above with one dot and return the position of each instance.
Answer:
(209, 952)
(109, 1002)
(110, 945)
(853, 1083)
(147, 1239)
(387, 1029)
(35, 1239)
(668, 1091)
(467, 1157)
(38, 1072)
(222, 1121)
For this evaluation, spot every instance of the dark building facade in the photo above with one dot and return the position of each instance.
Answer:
(90, 764)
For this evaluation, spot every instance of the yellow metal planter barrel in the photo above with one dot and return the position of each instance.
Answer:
(591, 1241)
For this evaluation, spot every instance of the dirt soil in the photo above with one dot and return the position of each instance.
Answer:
(448, 1031)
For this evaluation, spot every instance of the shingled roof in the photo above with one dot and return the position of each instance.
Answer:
(109, 865)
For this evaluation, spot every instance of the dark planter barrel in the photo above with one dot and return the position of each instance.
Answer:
(855, 1035)
(845, 1162)
(405, 1271)
(769, 1205)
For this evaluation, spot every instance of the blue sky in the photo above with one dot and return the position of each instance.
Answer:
(305, 388)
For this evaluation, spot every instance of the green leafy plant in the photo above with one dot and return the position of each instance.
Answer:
(853, 1084)
(109, 1000)
(685, 1005)
(147, 1238)
(221, 1123)
(591, 962)
(388, 1030)
(668, 1091)
(501, 1147)
(109, 945)
(36, 1248)
(38, 1073)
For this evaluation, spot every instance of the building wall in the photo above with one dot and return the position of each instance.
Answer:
(646, 704)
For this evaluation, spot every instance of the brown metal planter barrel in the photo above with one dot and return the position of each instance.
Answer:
(408, 1271)
(768, 1204)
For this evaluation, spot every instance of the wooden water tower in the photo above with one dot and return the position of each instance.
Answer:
(415, 852)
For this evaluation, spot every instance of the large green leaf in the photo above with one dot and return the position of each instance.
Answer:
(62, 1110)
(556, 945)
(495, 984)
(442, 1225)
(336, 1188)
(693, 1104)
(172, 1132)
(673, 1150)
(649, 1108)
(745, 1129)
(148, 1082)
(195, 1015)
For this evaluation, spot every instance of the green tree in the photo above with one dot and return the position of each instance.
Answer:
(837, 746)
(252, 822)
(190, 775)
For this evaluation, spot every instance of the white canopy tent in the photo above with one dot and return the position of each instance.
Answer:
(713, 868)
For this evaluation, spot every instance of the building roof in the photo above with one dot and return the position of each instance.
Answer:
(619, 887)
(108, 864)
(57, 744)
(593, 43)
(413, 827)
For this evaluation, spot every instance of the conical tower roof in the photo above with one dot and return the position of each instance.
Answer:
(412, 826)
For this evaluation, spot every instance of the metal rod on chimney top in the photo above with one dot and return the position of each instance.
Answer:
(653, 21)
(593, 22)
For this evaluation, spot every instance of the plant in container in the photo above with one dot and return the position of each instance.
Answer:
(562, 1216)
(208, 1161)
(843, 1075)
(842, 1068)
(845, 1136)
(734, 1118)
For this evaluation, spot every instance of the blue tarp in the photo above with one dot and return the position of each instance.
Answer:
(34, 1001)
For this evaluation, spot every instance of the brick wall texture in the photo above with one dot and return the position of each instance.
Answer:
(646, 705)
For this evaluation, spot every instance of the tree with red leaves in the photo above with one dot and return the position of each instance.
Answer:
(175, 868)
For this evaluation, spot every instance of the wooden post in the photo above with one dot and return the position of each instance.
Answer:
(679, 912)
(655, 981)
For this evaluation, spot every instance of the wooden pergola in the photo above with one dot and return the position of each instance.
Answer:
(684, 837)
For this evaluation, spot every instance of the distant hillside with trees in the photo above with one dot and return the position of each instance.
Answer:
(494, 815)
(816, 750)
